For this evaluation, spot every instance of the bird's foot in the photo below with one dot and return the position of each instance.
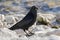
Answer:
(30, 34)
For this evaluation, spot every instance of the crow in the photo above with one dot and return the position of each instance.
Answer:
(27, 21)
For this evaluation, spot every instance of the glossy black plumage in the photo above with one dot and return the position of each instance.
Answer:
(27, 21)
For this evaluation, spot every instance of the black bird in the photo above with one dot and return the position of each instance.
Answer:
(27, 21)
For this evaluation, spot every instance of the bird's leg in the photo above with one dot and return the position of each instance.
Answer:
(27, 33)
(31, 33)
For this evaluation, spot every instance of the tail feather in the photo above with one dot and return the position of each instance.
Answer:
(11, 28)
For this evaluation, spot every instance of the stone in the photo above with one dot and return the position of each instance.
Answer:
(10, 19)
(1, 24)
(46, 18)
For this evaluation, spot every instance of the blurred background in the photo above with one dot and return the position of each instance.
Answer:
(7, 6)
(12, 11)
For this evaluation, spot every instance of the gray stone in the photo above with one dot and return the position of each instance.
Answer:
(10, 19)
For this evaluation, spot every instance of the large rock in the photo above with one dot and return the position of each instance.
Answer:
(46, 18)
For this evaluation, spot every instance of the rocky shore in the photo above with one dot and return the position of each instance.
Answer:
(46, 27)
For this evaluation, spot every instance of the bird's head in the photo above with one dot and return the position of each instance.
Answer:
(34, 8)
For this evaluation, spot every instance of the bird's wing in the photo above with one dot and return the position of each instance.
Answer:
(20, 24)
(24, 22)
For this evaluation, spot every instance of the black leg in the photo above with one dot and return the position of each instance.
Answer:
(31, 33)
(28, 34)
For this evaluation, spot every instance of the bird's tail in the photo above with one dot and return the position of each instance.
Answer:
(11, 28)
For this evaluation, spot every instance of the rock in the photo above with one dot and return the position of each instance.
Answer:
(55, 32)
(53, 37)
(34, 37)
(46, 18)
(4, 11)
(18, 17)
(23, 38)
(5, 25)
(58, 18)
(44, 7)
(2, 17)
(7, 3)
(20, 32)
(56, 26)
(10, 19)
(1, 24)
(6, 34)
(17, 1)
(15, 8)
(1, 7)
(41, 29)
